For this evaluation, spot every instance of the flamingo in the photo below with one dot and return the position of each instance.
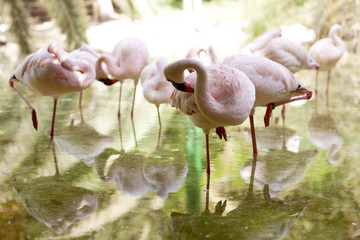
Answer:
(128, 59)
(274, 84)
(212, 96)
(156, 89)
(52, 72)
(86, 52)
(327, 52)
(195, 53)
(299, 33)
(283, 50)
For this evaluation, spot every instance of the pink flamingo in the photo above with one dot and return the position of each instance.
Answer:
(210, 55)
(284, 51)
(52, 72)
(156, 89)
(274, 84)
(128, 59)
(86, 52)
(212, 96)
(327, 52)
(261, 41)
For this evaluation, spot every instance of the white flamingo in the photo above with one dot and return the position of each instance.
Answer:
(327, 52)
(52, 72)
(212, 96)
(274, 84)
(128, 59)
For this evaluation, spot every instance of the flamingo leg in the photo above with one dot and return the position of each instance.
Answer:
(207, 154)
(33, 112)
(283, 113)
(133, 102)
(158, 112)
(307, 96)
(253, 137)
(221, 132)
(80, 106)
(53, 119)
(268, 112)
(328, 83)
(316, 81)
(119, 113)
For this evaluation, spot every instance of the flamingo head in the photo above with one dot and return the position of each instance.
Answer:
(303, 90)
(312, 64)
(183, 87)
(107, 81)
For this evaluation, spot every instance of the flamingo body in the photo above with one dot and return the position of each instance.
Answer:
(282, 50)
(156, 88)
(52, 72)
(328, 51)
(128, 59)
(219, 95)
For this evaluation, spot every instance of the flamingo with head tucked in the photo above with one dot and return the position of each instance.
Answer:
(156, 89)
(86, 52)
(212, 96)
(128, 59)
(282, 50)
(274, 84)
(52, 72)
(210, 57)
(327, 52)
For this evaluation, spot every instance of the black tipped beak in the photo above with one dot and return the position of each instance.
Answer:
(183, 87)
(107, 81)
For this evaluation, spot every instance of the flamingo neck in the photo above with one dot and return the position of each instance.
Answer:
(113, 69)
(335, 37)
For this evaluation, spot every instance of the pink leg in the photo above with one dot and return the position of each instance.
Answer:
(267, 116)
(328, 83)
(80, 106)
(307, 96)
(33, 112)
(221, 132)
(133, 102)
(316, 81)
(119, 114)
(283, 113)
(207, 154)
(53, 119)
(253, 137)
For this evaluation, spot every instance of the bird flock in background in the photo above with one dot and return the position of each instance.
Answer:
(213, 95)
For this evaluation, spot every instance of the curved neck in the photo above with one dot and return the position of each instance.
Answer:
(116, 71)
(207, 105)
(333, 34)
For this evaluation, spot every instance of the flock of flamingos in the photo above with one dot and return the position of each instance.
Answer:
(212, 95)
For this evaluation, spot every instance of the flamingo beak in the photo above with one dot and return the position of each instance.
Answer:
(305, 91)
(183, 87)
(107, 81)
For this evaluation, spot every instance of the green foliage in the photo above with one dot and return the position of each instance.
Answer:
(15, 11)
(71, 18)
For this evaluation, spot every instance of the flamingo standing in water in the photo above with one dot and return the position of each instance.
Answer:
(212, 96)
(52, 72)
(274, 84)
(128, 59)
(327, 52)
(86, 52)
(282, 50)
(156, 89)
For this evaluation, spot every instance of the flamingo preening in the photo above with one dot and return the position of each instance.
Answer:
(52, 72)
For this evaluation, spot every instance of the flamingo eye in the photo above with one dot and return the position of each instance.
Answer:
(299, 86)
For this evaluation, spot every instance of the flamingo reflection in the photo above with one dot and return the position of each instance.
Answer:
(54, 201)
(254, 218)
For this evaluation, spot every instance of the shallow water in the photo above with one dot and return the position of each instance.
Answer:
(107, 179)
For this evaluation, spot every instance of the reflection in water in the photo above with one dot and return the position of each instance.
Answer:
(165, 173)
(54, 201)
(82, 141)
(126, 171)
(254, 218)
(278, 169)
(274, 137)
(323, 132)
